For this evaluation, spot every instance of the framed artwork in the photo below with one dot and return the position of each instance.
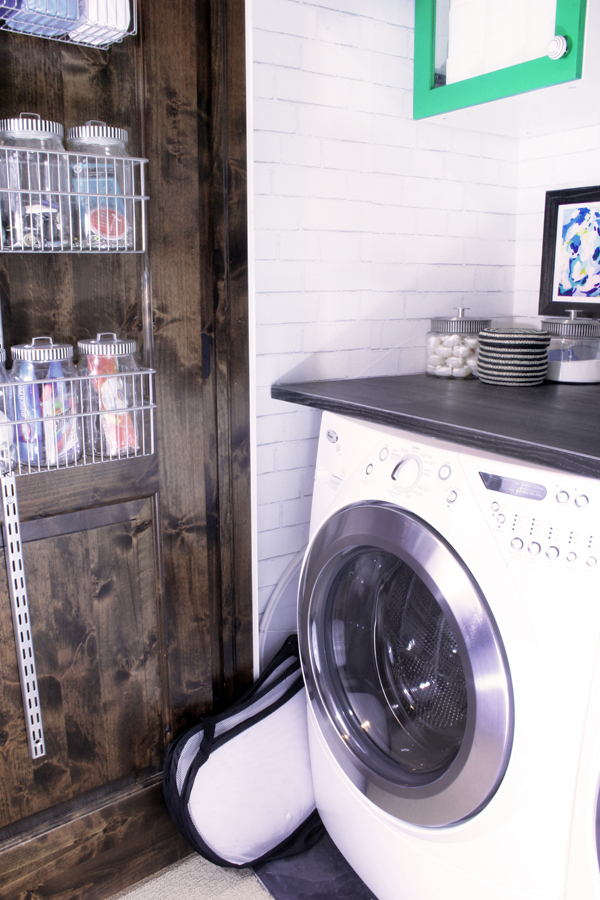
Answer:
(570, 276)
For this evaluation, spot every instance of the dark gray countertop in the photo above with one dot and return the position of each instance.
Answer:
(553, 424)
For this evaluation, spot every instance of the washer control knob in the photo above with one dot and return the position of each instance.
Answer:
(591, 561)
(516, 543)
(383, 454)
(407, 473)
(552, 552)
(495, 506)
(572, 556)
(369, 469)
(444, 472)
(501, 519)
(451, 496)
(582, 501)
(534, 548)
(562, 497)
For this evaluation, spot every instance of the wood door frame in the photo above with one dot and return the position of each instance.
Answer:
(222, 360)
(231, 344)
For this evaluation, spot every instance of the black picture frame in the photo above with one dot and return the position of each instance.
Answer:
(554, 286)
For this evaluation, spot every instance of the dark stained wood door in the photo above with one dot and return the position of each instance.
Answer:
(138, 571)
(92, 580)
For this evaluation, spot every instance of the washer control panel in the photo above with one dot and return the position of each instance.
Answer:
(538, 516)
(406, 470)
(550, 519)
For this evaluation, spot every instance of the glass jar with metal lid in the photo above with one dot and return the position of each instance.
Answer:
(453, 345)
(47, 410)
(102, 176)
(34, 184)
(112, 398)
(8, 447)
(574, 351)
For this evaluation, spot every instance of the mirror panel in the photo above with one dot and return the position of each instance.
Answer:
(473, 51)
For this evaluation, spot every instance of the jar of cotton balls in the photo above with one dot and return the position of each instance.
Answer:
(453, 345)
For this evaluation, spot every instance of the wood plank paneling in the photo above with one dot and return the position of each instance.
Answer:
(96, 638)
(139, 571)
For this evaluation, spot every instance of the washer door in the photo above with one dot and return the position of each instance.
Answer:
(404, 665)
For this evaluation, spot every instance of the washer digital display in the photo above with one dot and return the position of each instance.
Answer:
(514, 486)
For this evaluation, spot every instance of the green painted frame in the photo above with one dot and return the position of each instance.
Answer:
(528, 76)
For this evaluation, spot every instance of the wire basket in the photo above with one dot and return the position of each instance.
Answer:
(93, 23)
(54, 202)
(70, 422)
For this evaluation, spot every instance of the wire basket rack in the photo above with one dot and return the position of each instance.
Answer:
(65, 423)
(93, 23)
(54, 202)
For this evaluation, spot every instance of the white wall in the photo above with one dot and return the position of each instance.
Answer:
(367, 223)
(559, 148)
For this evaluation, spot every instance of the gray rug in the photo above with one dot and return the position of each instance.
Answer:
(320, 873)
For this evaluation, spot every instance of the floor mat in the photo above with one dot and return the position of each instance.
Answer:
(320, 873)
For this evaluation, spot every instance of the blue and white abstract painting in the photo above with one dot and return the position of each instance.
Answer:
(577, 260)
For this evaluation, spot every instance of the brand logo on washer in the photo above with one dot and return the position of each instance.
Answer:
(332, 436)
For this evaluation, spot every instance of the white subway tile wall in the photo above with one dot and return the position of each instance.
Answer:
(367, 222)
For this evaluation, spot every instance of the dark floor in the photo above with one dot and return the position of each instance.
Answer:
(320, 873)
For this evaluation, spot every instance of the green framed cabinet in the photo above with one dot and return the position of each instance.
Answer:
(431, 98)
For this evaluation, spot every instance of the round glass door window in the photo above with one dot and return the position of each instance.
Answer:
(406, 670)
(397, 662)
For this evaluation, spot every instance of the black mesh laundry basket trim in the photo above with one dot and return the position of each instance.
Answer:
(308, 833)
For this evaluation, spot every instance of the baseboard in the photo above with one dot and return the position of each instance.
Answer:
(94, 854)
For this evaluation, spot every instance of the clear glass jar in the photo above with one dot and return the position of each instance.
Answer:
(111, 396)
(47, 403)
(574, 351)
(102, 177)
(34, 184)
(453, 345)
(8, 447)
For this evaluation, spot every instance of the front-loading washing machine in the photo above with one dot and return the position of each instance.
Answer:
(449, 622)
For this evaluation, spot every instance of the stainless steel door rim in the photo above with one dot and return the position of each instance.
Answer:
(361, 557)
